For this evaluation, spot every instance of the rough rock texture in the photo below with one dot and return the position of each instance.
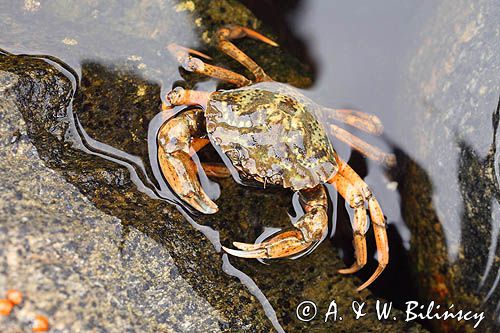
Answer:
(451, 196)
(75, 264)
(91, 249)
(145, 268)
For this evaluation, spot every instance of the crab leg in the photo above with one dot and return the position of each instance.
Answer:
(216, 170)
(197, 144)
(310, 228)
(197, 65)
(363, 147)
(226, 34)
(181, 96)
(175, 160)
(355, 199)
(376, 215)
(175, 48)
(368, 123)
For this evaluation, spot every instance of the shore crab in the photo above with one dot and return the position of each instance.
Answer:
(269, 133)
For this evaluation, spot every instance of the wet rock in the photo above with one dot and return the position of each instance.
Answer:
(136, 33)
(77, 265)
(108, 254)
(136, 257)
(451, 196)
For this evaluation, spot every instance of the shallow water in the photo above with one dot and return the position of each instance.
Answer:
(359, 55)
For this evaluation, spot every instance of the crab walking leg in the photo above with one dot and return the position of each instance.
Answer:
(376, 215)
(197, 144)
(310, 228)
(176, 164)
(175, 48)
(216, 170)
(355, 199)
(368, 123)
(224, 35)
(363, 147)
(197, 65)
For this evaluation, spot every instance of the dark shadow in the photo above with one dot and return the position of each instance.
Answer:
(397, 283)
(279, 15)
(479, 266)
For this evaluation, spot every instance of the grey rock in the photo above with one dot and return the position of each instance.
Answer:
(73, 262)
(97, 251)
(451, 196)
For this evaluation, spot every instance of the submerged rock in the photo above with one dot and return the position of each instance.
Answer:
(451, 197)
(91, 248)
(78, 265)
(134, 259)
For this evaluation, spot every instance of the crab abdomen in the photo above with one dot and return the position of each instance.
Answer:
(270, 137)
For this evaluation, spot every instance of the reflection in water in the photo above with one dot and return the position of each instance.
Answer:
(77, 138)
(283, 16)
(161, 191)
(109, 31)
(157, 188)
(254, 289)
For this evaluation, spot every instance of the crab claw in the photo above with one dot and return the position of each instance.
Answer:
(262, 253)
(180, 172)
(311, 228)
(283, 245)
(177, 166)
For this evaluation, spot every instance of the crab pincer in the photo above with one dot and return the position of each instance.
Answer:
(268, 133)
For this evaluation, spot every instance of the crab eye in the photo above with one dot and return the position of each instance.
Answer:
(175, 95)
(178, 91)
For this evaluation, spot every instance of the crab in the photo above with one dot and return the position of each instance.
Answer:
(269, 133)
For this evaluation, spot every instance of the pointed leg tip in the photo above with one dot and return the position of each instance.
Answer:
(364, 285)
(372, 278)
(247, 246)
(173, 48)
(261, 253)
(343, 271)
(350, 270)
(360, 288)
